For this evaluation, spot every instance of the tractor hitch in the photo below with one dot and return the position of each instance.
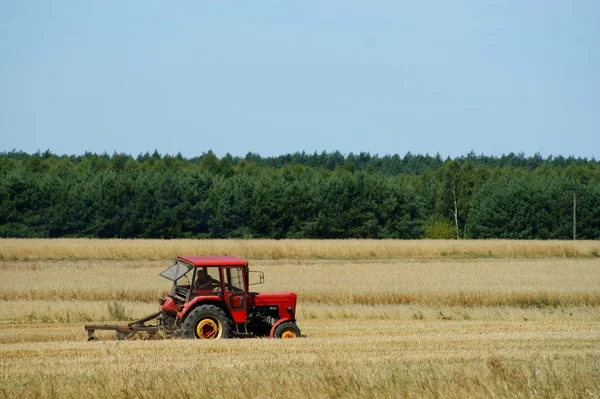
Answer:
(128, 331)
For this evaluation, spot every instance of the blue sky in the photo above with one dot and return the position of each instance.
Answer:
(275, 77)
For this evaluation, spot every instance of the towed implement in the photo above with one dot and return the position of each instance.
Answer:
(210, 299)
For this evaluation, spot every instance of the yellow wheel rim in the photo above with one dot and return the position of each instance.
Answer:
(288, 333)
(208, 329)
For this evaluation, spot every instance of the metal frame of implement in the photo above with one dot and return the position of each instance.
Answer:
(125, 331)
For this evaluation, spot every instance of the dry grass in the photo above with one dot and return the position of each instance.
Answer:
(20, 314)
(113, 249)
(449, 321)
(468, 282)
(340, 359)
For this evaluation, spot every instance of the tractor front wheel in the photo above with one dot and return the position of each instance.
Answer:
(287, 329)
(205, 322)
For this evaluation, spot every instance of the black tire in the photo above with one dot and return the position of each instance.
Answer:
(287, 329)
(216, 323)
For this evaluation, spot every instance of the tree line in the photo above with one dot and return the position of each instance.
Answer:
(319, 195)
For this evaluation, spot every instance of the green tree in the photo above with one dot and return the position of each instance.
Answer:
(523, 208)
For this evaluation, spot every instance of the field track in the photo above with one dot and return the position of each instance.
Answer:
(432, 318)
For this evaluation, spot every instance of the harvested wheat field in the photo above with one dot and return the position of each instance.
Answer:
(416, 319)
(117, 249)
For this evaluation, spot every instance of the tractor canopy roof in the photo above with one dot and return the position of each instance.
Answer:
(199, 261)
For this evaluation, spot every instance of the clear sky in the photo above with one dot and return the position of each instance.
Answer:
(275, 77)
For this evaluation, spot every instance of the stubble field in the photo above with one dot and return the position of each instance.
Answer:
(380, 319)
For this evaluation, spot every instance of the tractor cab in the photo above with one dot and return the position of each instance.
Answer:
(190, 281)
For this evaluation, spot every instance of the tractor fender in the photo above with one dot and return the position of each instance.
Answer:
(201, 300)
(272, 333)
(168, 304)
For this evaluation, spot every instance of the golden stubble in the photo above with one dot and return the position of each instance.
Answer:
(446, 321)
(452, 282)
(121, 249)
(340, 359)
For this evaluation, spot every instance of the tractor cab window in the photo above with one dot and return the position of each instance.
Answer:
(179, 274)
(176, 271)
(234, 279)
(207, 279)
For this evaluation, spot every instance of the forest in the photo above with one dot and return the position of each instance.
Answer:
(301, 195)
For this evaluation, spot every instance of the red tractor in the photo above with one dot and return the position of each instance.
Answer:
(210, 299)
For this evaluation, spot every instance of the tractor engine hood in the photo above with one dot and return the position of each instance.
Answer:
(285, 301)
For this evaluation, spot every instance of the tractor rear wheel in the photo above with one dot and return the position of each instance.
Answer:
(287, 329)
(205, 322)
